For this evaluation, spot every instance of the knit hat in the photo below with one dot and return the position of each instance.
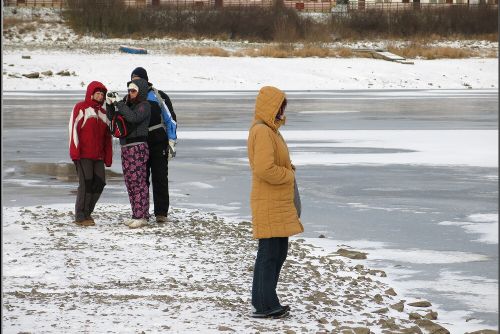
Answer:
(133, 86)
(141, 73)
(140, 85)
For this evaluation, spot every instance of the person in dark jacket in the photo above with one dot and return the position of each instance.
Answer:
(162, 138)
(90, 149)
(134, 147)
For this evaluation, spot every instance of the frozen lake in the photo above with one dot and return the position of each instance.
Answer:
(411, 176)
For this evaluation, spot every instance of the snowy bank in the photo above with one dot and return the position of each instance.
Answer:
(54, 47)
(192, 274)
(173, 73)
(45, 29)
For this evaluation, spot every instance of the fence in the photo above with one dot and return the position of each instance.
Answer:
(34, 3)
(302, 6)
(311, 5)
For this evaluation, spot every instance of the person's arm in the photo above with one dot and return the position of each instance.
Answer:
(110, 111)
(168, 102)
(111, 99)
(169, 117)
(74, 132)
(170, 121)
(134, 115)
(263, 160)
(108, 148)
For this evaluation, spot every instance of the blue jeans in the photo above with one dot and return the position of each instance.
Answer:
(271, 255)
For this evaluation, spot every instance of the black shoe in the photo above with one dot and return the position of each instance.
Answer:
(285, 311)
(280, 313)
(258, 315)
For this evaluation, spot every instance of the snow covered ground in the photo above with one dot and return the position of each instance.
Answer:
(192, 274)
(215, 73)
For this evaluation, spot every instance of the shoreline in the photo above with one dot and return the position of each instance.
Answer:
(192, 273)
(56, 58)
(73, 71)
(44, 28)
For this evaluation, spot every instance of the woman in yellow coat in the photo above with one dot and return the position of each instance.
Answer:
(274, 215)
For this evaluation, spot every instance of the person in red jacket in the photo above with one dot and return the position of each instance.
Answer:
(90, 149)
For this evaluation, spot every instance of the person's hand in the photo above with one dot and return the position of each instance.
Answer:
(171, 149)
(112, 98)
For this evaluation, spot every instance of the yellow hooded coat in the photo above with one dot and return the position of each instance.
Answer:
(273, 210)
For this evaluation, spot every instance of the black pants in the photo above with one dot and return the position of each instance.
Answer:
(158, 169)
(271, 255)
(91, 182)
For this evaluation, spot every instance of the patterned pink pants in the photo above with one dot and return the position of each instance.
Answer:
(134, 160)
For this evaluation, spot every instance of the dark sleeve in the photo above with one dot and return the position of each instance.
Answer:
(136, 114)
(110, 111)
(168, 103)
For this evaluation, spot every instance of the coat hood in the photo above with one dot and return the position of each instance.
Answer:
(267, 106)
(91, 88)
(143, 88)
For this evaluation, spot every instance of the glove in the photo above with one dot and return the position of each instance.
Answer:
(171, 149)
(112, 98)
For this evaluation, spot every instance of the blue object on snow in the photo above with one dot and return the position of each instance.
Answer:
(130, 49)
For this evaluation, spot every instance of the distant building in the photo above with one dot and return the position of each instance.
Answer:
(220, 3)
(34, 3)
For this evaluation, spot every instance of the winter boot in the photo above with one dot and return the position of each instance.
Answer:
(128, 221)
(136, 223)
(86, 222)
(280, 313)
(161, 219)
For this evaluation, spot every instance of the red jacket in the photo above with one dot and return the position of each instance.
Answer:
(89, 136)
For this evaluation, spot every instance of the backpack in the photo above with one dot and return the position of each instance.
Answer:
(119, 127)
(170, 123)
